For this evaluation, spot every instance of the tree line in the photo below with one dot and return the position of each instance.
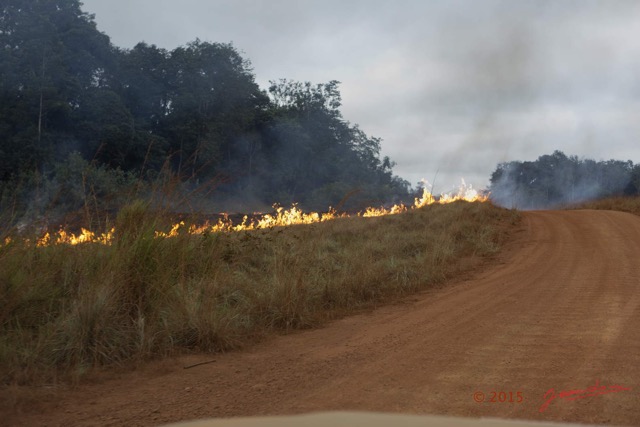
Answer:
(75, 107)
(557, 179)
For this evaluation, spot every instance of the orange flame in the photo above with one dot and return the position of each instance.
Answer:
(281, 218)
(65, 237)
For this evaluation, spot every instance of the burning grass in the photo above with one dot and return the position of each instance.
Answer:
(281, 217)
(69, 308)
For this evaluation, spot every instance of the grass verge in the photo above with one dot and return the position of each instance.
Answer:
(68, 309)
(624, 204)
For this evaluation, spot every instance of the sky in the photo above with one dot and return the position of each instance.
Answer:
(452, 87)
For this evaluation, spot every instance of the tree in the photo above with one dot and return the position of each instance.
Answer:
(51, 53)
(633, 188)
(197, 108)
(213, 100)
(556, 179)
(144, 79)
(326, 157)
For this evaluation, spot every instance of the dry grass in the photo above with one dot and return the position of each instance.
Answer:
(68, 309)
(624, 204)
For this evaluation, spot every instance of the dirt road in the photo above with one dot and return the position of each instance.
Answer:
(560, 309)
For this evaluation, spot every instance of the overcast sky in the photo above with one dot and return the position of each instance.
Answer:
(452, 87)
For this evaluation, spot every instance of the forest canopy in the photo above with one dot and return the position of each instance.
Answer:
(80, 116)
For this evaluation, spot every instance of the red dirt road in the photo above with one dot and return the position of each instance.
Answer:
(559, 309)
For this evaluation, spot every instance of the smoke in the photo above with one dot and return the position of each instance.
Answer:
(521, 80)
(453, 86)
(557, 180)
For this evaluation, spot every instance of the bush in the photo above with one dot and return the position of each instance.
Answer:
(75, 188)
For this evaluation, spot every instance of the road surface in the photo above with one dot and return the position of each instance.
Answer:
(558, 310)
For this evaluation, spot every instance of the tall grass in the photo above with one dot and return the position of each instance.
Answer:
(624, 204)
(66, 309)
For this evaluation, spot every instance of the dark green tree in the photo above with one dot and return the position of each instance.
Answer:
(320, 157)
(51, 54)
(213, 100)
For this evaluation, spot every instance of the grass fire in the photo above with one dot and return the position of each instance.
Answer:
(282, 217)
(68, 308)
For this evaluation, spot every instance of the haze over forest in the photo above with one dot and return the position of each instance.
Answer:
(75, 107)
(452, 87)
(82, 119)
